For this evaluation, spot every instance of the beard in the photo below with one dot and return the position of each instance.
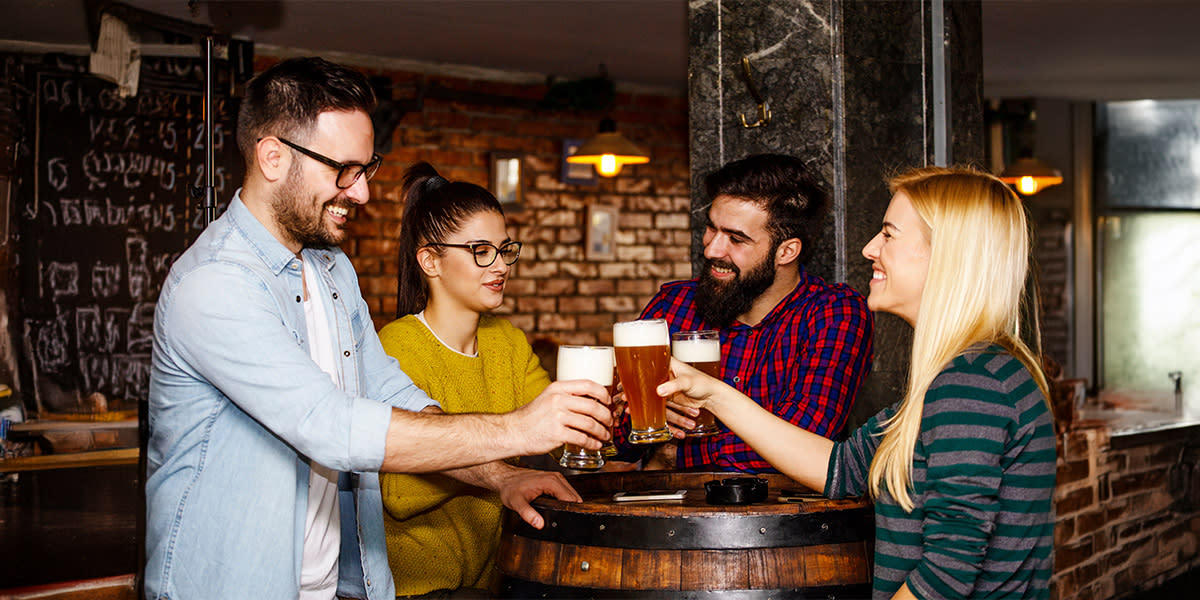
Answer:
(718, 302)
(305, 223)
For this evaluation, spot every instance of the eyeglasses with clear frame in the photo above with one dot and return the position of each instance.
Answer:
(485, 253)
(348, 173)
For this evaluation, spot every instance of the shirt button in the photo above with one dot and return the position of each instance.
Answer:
(737, 379)
(335, 295)
(298, 299)
(347, 353)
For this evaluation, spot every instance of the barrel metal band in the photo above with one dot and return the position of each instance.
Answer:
(718, 531)
(520, 588)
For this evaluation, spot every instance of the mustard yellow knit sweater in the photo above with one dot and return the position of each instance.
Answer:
(442, 533)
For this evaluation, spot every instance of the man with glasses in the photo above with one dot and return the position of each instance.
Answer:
(272, 403)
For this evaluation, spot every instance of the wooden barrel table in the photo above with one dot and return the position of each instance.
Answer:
(601, 548)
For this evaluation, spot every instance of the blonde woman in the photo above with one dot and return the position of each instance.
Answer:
(962, 467)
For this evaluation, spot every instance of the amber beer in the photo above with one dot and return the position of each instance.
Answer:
(702, 350)
(644, 362)
(585, 362)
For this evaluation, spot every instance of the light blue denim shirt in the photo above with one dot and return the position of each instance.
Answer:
(238, 408)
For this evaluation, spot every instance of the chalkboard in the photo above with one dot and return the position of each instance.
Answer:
(109, 212)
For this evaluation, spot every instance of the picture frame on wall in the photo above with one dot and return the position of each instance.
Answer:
(601, 232)
(507, 179)
(575, 174)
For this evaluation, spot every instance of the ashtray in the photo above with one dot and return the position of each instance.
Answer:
(735, 490)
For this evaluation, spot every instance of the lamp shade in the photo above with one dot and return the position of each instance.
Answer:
(1030, 175)
(608, 151)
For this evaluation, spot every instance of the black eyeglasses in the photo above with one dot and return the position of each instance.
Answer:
(485, 254)
(348, 173)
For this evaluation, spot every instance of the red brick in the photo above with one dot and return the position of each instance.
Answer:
(1137, 482)
(582, 270)
(547, 322)
(446, 120)
(636, 286)
(597, 286)
(1075, 501)
(635, 253)
(627, 221)
(537, 270)
(535, 304)
(672, 221)
(595, 322)
(618, 271)
(1072, 471)
(617, 304)
(520, 287)
(646, 270)
(1064, 531)
(577, 304)
(523, 322)
(1066, 557)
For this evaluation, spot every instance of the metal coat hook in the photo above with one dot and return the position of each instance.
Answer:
(764, 111)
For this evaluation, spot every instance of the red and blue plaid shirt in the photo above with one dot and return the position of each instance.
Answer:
(804, 362)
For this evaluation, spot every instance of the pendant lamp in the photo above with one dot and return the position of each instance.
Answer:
(1030, 175)
(609, 151)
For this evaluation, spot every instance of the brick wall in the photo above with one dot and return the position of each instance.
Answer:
(554, 291)
(1128, 518)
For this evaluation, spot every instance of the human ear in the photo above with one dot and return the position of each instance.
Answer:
(427, 259)
(788, 251)
(271, 158)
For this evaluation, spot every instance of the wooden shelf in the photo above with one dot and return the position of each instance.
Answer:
(44, 425)
(94, 458)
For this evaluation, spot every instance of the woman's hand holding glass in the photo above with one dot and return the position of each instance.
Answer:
(687, 392)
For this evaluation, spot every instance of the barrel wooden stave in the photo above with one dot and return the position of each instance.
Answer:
(550, 565)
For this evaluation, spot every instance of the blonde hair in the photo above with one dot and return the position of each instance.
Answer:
(979, 240)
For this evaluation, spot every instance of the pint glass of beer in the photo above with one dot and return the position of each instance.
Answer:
(702, 350)
(644, 362)
(609, 449)
(585, 362)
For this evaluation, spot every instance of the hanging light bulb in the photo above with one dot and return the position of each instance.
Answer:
(609, 151)
(1031, 175)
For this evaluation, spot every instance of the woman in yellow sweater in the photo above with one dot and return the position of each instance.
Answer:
(455, 256)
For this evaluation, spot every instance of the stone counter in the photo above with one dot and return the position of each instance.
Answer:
(1128, 503)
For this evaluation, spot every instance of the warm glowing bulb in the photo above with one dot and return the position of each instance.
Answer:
(1028, 185)
(608, 166)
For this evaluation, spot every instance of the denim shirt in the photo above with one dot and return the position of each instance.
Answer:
(238, 408)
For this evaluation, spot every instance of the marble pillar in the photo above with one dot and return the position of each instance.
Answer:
(852, 91)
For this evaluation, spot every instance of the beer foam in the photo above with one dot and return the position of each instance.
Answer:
(586, 362)
(697, 350)
(650, 332)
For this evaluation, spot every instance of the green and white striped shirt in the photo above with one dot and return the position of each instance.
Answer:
(983, 477)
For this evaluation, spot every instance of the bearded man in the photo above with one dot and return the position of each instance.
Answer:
(797, 345)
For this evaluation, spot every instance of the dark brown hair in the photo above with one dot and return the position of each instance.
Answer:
(434, 208)
(286, 99)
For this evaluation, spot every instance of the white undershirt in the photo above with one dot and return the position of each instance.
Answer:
(322, 526)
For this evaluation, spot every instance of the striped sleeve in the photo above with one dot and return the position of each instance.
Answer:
(851, 459)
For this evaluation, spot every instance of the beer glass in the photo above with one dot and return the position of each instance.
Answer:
(644, 362)
(585, 362)
(609, 449)
(702, 350)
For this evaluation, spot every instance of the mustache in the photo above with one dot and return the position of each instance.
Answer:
(724, 264)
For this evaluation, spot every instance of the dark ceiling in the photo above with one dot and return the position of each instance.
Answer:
(1080, 49)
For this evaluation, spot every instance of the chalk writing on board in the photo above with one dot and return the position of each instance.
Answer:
(109, 212)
